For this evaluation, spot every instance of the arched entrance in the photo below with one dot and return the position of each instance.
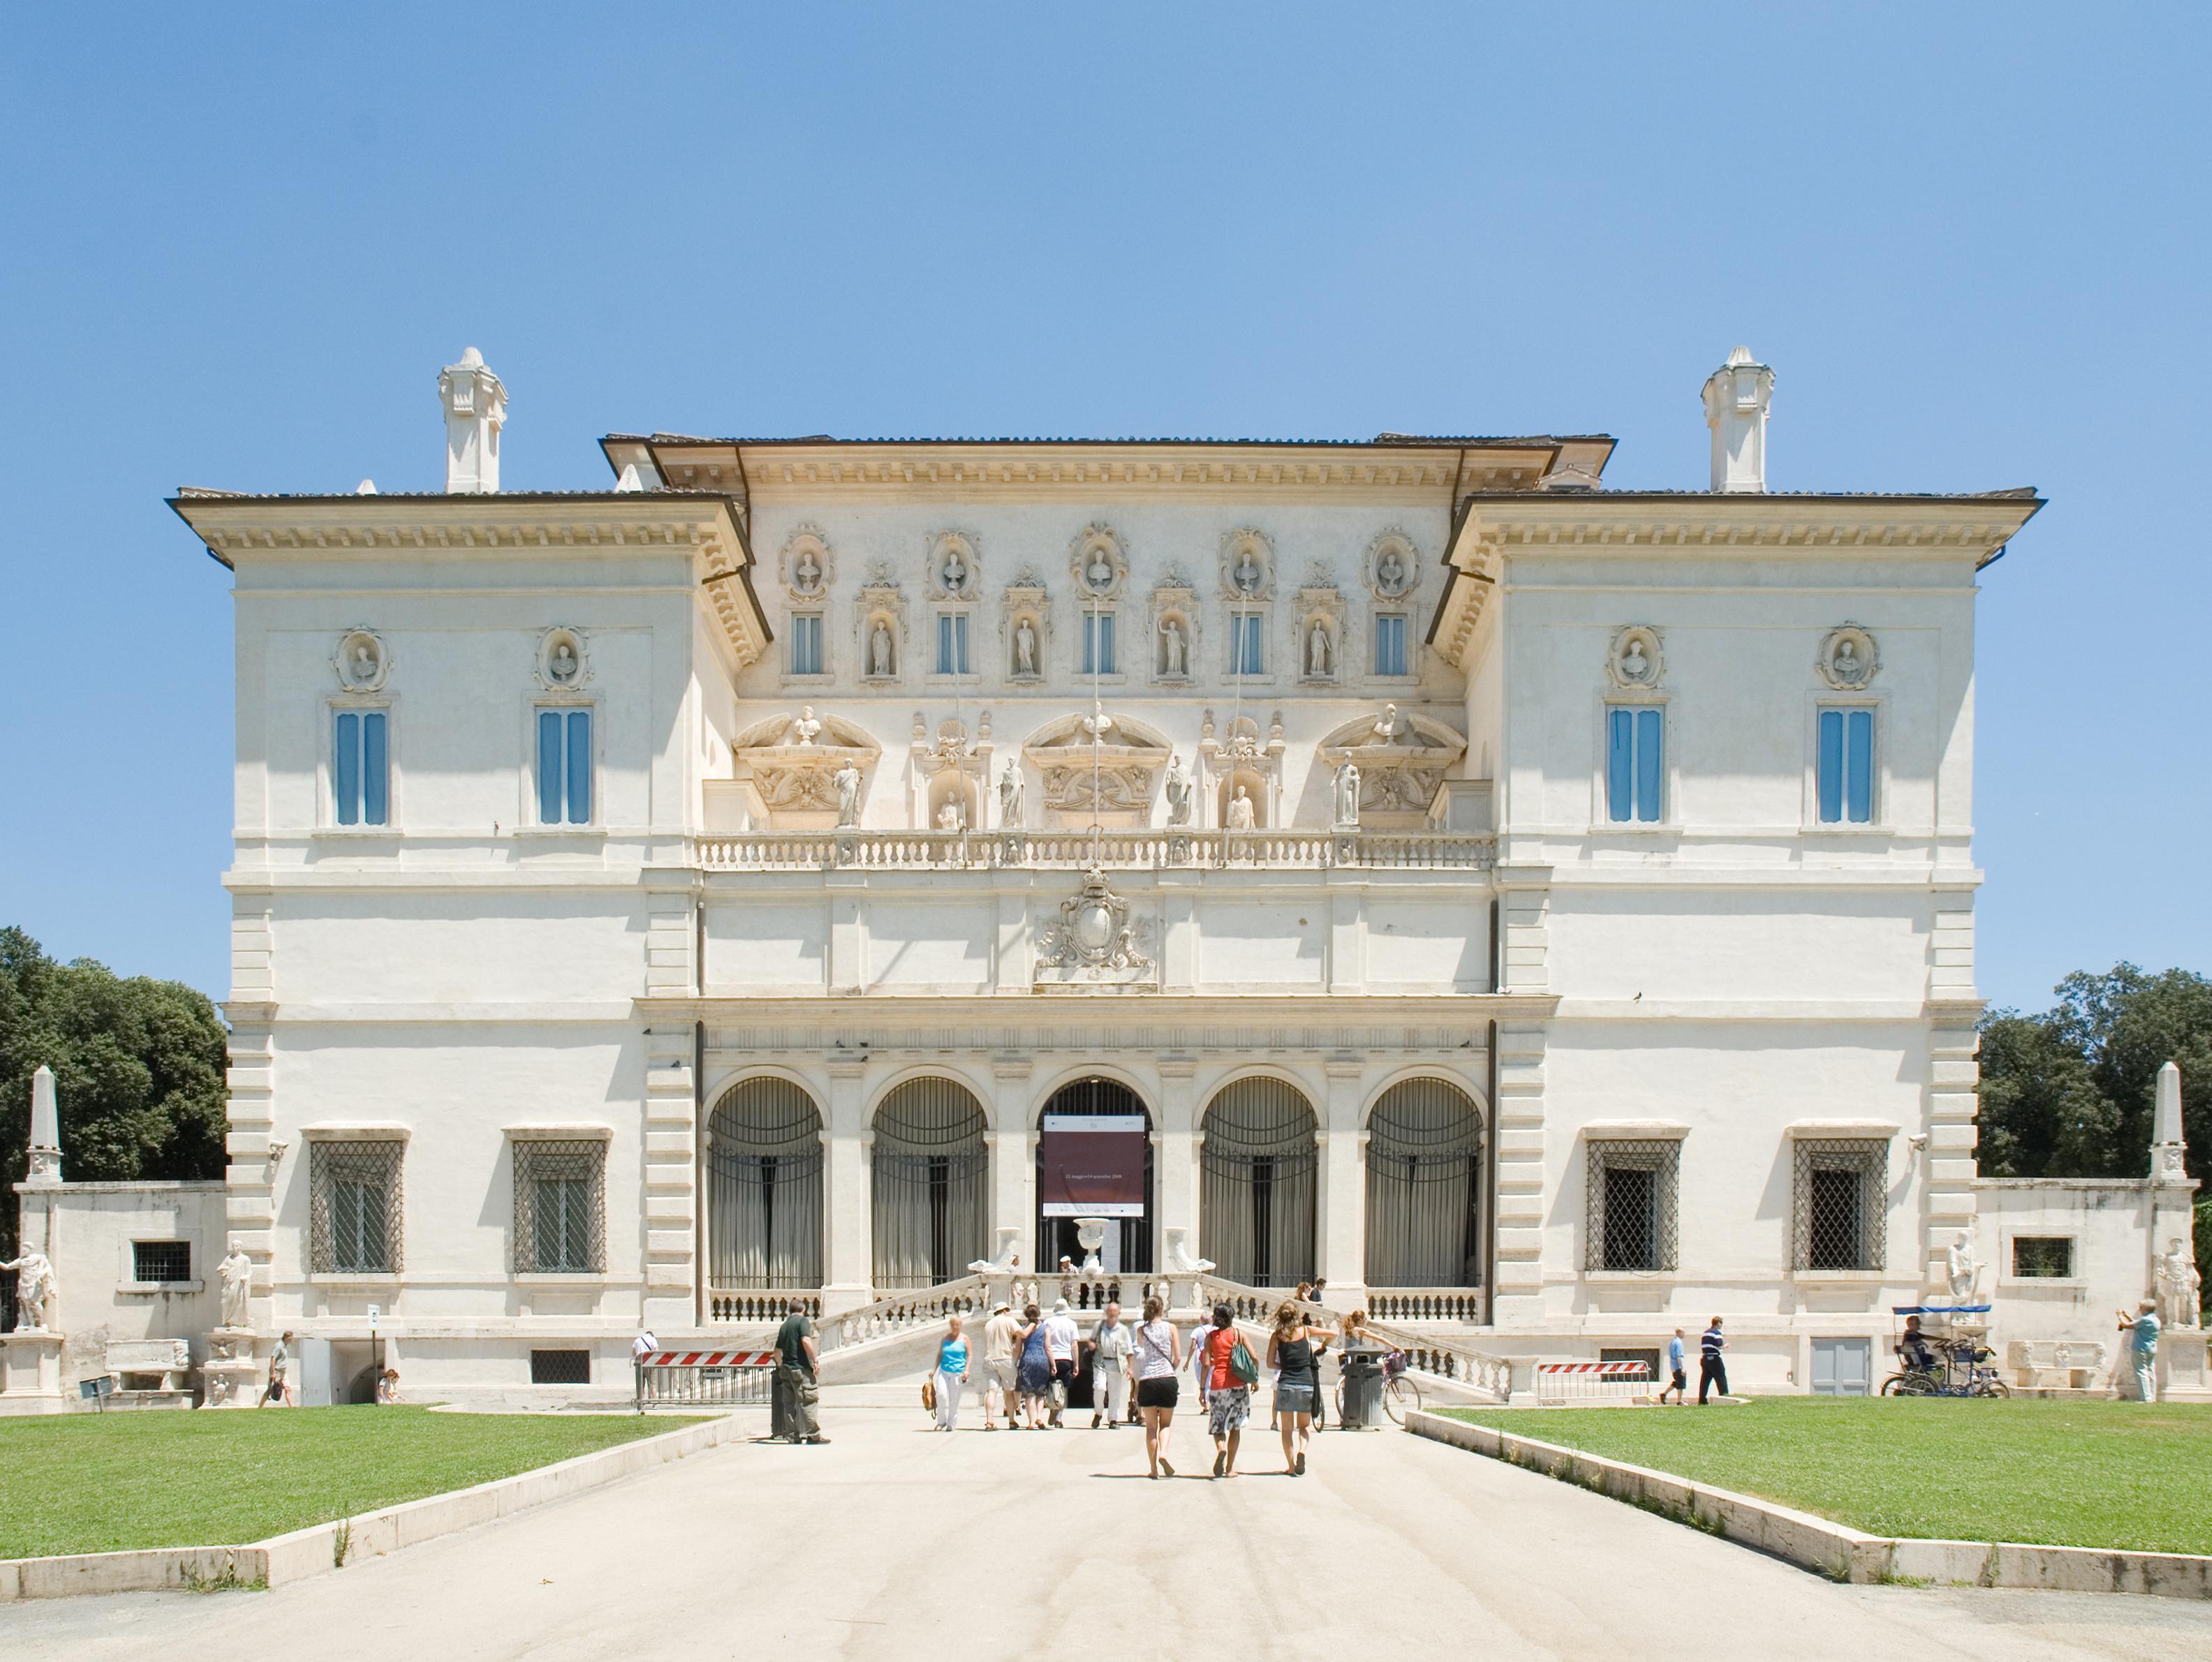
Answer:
(1425, 1187)
(764, 1162)
(931, 1207)
(1257, 1180)
(1109, 1111)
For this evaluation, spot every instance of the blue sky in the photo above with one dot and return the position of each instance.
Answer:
(235, 246)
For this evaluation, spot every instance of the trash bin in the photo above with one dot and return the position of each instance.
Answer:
(1363, 1387)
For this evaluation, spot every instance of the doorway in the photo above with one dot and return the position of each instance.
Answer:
(1128, 1246)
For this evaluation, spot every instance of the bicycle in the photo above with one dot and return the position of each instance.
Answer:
(1402, 1393)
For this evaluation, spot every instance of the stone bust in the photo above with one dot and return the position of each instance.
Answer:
(1634, 665)
(1099, 571)
(1389, 572)
(807, 573)
(806, 726)
(1248, 571)
(363, 666)
(1848, 668)
(955, 571)
(563, 664)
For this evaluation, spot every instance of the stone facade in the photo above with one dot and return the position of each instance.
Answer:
(1661, 865)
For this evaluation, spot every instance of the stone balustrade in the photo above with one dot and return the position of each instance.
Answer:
(1459, 1304)
(1146, 850)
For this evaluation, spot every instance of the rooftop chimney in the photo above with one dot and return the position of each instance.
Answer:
(1736, 396)
(475, 410)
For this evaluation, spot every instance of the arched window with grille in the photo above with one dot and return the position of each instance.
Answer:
(931, 1178)
(764, 1188)
(1425, 1182)
(1258, 1169)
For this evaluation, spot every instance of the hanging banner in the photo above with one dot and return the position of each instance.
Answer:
(1092, 1165)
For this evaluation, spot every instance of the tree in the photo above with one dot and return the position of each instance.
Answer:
(2071, 1092)
(138, 1071)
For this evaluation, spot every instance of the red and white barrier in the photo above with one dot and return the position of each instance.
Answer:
(1592, 1381)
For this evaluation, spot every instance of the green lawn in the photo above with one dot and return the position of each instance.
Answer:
(99, 1483)
(2088, 1474)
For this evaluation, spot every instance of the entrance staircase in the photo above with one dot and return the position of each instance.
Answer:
(893, 1337)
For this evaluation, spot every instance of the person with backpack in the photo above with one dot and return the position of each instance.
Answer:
(1231, 1373)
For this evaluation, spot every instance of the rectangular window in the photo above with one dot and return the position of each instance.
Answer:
(1390, 644)
(359, 767)
(1632, 1203)
(560, 1206)
(1840, 1204)
(1846, 767)
(353, 1206)
(161, 1260)
(1247, 644)
(1098, 643)
(807, 643)
(2042, 1258)
(952, 643)
(1635, 759)
(564, 767)
(560, 1368)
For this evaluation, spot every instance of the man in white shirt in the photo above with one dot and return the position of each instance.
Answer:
(999, 1364)
(1110, 1367)
(1060, 1339)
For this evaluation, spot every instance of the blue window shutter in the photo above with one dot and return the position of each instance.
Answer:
(1859, 766)
(1831, 767)
(580, 767)
(1105, 643)
(945, 643)
(550, 770)
(1619, 775)
(1649, 758)
(960, 643)
(345, 748)
(1389, 645)
(374, 776)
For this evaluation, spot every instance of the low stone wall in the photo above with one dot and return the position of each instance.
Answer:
(1836, 1550)
(324, 1547)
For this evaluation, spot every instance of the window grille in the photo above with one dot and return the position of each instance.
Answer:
(764, 1188)
(1841, 1214)
(2039, 1257)
(560, 1205)
(354, 1207)
(1425, 1187)
(1257, 1170)
(560, 1368)
(932, 1177)
(161, 1260)
(1631, 1204)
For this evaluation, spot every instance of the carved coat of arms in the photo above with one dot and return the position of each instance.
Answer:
(1095, 939)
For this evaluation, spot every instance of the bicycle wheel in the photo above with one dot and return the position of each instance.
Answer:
(1399, 1396)
(1991, 1388)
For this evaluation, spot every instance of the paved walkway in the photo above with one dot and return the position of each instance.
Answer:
(897, 1543)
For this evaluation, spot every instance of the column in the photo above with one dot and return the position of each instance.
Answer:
(848, 1147)
(1341, 1255)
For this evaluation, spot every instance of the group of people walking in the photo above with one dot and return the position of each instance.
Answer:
(1030, 1362)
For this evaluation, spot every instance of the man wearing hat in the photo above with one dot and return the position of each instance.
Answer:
(1060, 1339)
(999, 1377)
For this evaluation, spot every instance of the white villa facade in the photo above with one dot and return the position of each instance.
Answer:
(1545, 911)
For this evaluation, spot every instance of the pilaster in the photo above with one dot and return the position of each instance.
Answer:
(1342, 1188)
(1013, 1160)
(1954, 1077)
(670, 1207)
(848, 1268)
(1516, 1294)
(256, 1156)
(1178, 1184)
(1524, 894)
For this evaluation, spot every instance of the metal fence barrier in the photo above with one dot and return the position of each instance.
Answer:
(1592, 1381)
(705, 1378)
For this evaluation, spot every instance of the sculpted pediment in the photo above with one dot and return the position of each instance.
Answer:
(1401, 758)
(794, 760)
(1098, 766)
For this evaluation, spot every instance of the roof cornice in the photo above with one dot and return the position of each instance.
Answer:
(599, 523)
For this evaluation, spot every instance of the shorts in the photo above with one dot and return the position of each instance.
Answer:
(1681, 1382)
(1002, 1376)
(1160, 1392)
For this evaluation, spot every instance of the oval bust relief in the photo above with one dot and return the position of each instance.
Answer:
(362, 661)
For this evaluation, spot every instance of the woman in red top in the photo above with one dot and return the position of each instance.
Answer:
(1229, 1399)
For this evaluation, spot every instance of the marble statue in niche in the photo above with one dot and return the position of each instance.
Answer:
(950, 818)
(1009, 797)
(562, 665)
(1240, 812)
(806, 575)
(1178, 792)
(846, 779)
(1347, 794)
(1175, 649)
(1848, 667)
(1390, 573)
(1320, 654)
(363, 669)
(1247, 574)
(1025, 648)
(880, 659)
(1099, 571)
(1634, 665)
(955, 570)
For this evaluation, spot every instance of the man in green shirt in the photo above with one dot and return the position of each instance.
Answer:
(797, 1394)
